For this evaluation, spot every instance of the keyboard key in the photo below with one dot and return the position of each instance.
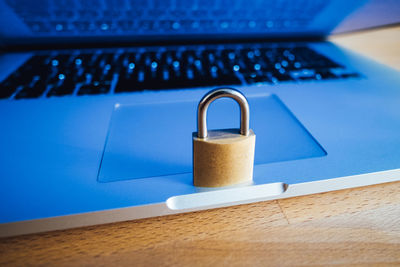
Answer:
(34, 91)
(326, 74)
(255, 77)
(95, 88)
(65, 87)
(7, 90)
(350, 75)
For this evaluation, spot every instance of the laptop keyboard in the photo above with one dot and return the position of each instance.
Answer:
(161, 68)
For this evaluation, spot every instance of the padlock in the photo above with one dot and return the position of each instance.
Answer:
(223, 157)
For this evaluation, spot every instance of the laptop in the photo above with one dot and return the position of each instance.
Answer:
(99, 99)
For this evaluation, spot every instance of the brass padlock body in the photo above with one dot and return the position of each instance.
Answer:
(224, 158)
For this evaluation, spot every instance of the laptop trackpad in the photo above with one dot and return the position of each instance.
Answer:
(156, 140)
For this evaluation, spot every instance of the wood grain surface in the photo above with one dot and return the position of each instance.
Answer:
(351, 227)
(383, 45)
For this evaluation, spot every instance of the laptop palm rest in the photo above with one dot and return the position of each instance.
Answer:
(156, 140)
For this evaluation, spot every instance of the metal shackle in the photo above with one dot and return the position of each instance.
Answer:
(218, 93)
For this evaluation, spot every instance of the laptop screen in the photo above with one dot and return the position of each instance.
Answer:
(27, 20)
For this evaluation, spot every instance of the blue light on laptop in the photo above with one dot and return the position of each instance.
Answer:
(54, 62)
(190, 74)
(61, 76)
(175, 64)
(176, 25)
(224, 25)
(104, 26)
(131, 65)
(195, 25)
(59, 27)
(165, 75)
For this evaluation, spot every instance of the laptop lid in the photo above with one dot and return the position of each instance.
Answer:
(61, 21)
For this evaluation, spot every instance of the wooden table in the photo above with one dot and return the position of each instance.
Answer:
(348, 227)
